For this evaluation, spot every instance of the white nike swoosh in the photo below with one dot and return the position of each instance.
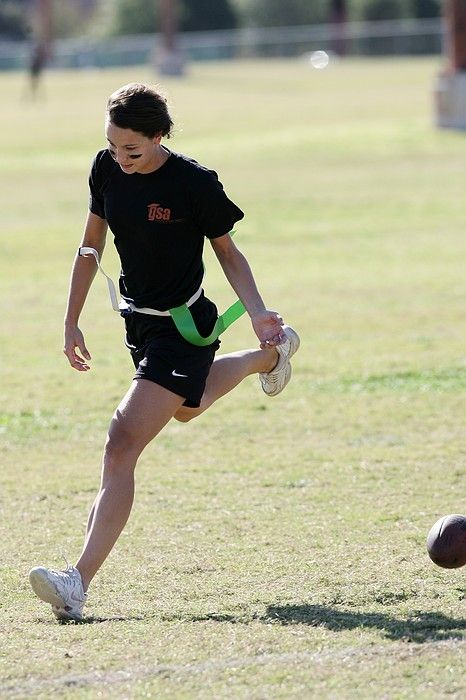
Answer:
(175, 374)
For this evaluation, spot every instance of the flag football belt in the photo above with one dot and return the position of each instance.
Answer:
(181, 315)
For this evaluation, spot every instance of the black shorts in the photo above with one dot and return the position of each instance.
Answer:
(163, 356)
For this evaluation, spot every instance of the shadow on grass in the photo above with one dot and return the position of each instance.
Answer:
(420, 627)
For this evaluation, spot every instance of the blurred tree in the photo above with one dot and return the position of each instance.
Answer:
(382, 9)
(365, 9)
(356, 9)
(70, 18)
(142, 16)
(14, 20)
(276, 13)
(133, 17)
(202, 15)
(426, 8)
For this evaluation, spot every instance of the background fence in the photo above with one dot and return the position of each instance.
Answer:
(393, 37)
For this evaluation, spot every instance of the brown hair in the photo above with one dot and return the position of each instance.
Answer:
(140, 108)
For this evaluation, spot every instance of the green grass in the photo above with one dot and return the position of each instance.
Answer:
(277, 547)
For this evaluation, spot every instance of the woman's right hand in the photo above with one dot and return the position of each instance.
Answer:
(75, 339)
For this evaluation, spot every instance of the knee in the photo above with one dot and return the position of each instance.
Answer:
(121, 448)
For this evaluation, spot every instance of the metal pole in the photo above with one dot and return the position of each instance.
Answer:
(44, 22)
(169, 59)
(339, 18)
(450, 93)
(455, 17)
(42, 47)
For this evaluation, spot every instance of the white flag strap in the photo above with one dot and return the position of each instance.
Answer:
(85, 252)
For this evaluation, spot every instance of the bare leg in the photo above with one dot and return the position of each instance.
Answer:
(144, 411)
(228, 371)
(90, 517)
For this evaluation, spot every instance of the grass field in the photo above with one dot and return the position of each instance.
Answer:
(277, 547)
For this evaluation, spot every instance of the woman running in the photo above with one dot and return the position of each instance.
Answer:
(160, 206)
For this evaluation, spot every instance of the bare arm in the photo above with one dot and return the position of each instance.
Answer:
(267, 324)
(82, 274)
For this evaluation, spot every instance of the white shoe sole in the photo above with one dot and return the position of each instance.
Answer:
(44, 589)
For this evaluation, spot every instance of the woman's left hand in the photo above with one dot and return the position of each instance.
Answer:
(268, 328)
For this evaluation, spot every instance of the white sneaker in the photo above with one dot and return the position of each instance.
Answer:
(62, 589)
(275, 381)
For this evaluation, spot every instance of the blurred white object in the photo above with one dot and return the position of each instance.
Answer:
(450, 94)
(170, 62)
(319, 59)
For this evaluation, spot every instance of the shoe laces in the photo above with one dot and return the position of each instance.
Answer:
(70, 578)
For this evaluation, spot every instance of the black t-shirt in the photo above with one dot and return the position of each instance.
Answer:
(159, 221)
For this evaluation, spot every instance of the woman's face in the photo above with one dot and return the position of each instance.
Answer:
(134, 152)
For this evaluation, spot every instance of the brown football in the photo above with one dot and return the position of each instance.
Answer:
(446, 541)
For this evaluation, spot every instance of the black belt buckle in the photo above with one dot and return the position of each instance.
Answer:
(126, 312)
